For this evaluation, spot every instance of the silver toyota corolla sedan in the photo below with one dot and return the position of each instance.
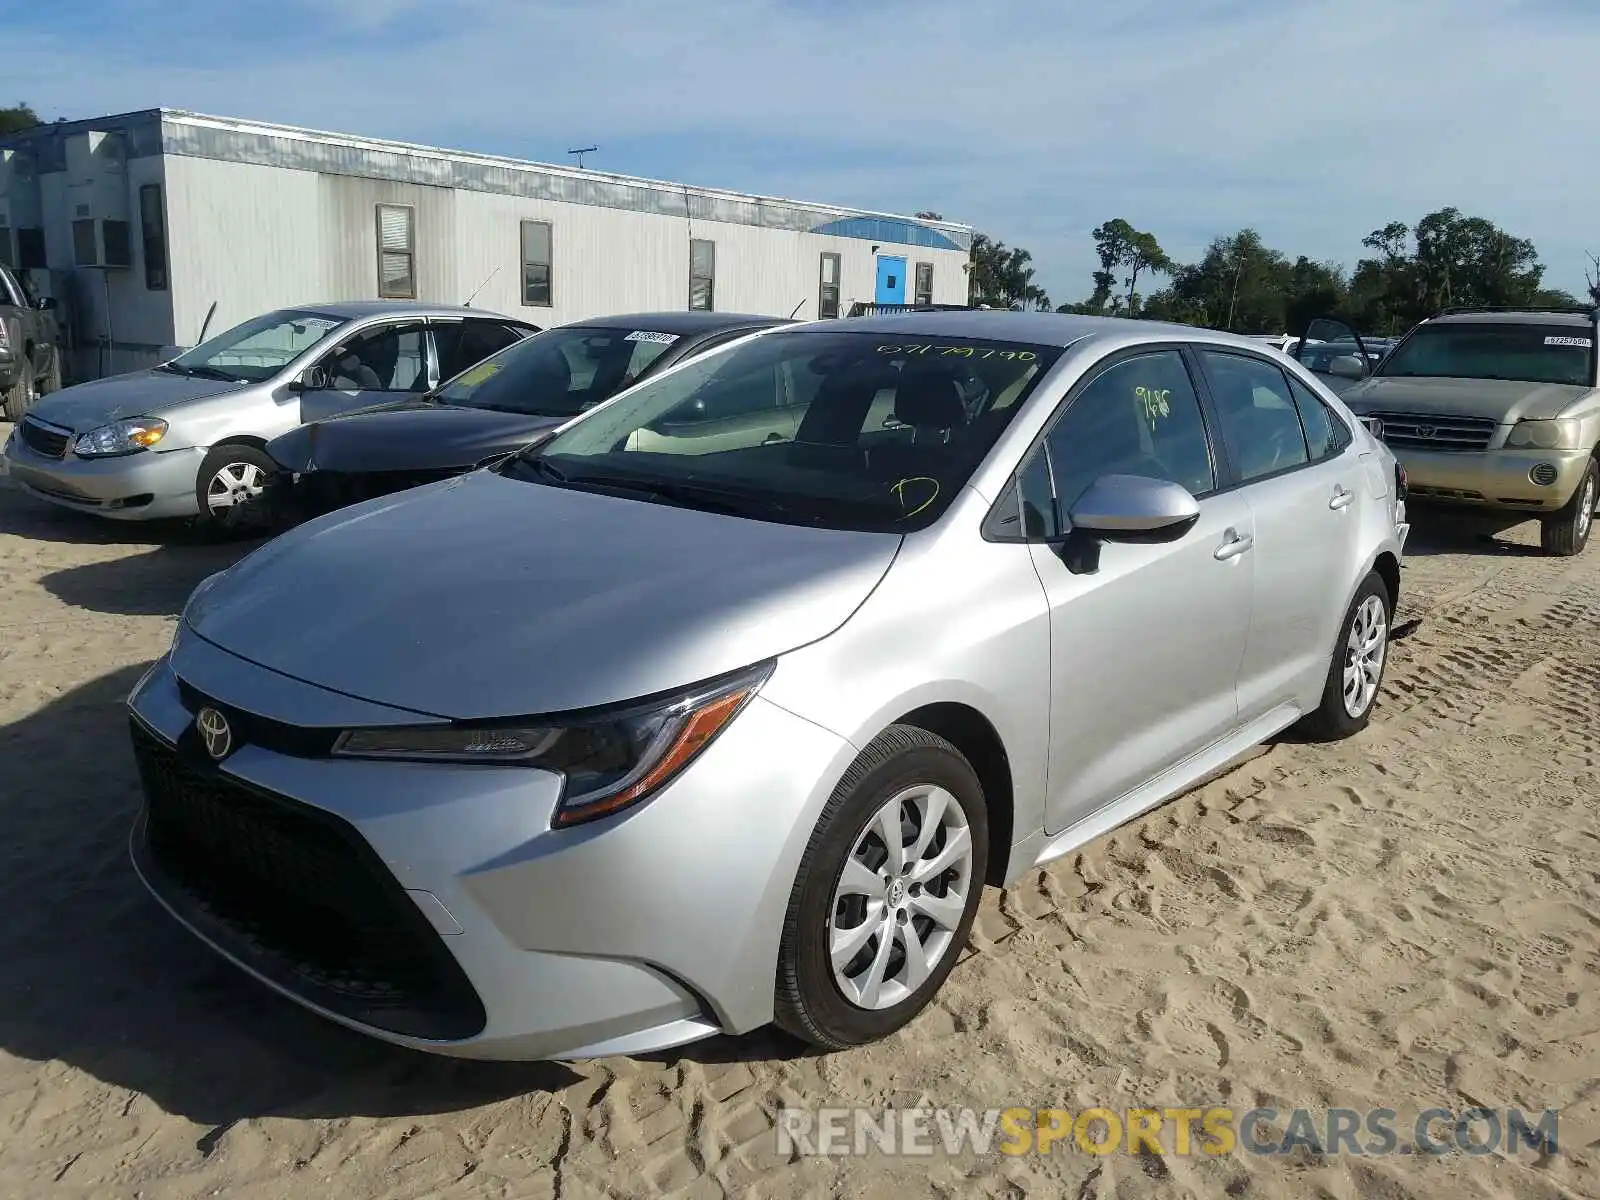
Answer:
(636, 737)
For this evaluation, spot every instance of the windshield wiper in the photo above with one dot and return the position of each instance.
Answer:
(690, 495)
(214, 373)
(540, 466)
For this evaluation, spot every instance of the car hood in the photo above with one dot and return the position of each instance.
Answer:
(84, 406)
(1500, 400)
(415, 436)
(483, 596)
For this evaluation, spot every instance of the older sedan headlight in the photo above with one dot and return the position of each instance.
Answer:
(1558, 434)
(120, 437)
(609, 761)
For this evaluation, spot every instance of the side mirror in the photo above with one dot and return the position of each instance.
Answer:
(312, 379)
(1347, 366)
(1134, 508)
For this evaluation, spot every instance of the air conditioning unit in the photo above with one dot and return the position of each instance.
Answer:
(101, 243)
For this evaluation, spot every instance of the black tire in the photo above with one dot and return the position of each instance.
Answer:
(1333, 719)
(1567, 532)
(809, 1001)
(241, 519)
(19, 397)
(51, 379)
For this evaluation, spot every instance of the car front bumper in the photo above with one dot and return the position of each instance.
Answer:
(134, 487)
(1494, 478)
(636, 933)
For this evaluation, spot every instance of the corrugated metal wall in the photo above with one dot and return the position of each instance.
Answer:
(254, 238)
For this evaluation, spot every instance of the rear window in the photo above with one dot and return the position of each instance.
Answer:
(1561, 354)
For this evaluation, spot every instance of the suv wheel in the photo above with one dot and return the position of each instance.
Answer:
(886, 893)
(1355, 675)
(1567, 532)
(20, 398)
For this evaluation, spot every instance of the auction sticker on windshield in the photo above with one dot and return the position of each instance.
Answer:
(478, 374)
(1583, 342)
(647, 335)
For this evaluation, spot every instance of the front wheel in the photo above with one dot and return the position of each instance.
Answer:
(229, 490)
(1355, 675)
(19, 398)
(1567, 532)
(886, 892)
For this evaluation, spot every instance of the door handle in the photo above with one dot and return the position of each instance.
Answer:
(1233, 547)
(1341, 498)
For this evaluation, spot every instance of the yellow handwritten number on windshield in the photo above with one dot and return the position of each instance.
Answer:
(899, 490)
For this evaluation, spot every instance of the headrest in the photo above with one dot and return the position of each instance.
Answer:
(929, 398)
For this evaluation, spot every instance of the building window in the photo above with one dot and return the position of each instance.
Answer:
(153, 225)
(536, 264)
(828, 296)
(702, 275)
(7, 259)
(397, 258)
(30, 249)
(924, 289)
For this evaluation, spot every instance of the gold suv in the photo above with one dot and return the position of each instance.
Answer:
(1491, 408)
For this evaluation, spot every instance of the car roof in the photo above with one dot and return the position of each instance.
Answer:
(1039, 328)
(680, 322)
(1515, 317)
(356, 310)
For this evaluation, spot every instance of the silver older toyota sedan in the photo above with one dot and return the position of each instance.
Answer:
(649, 732)
(187, 438)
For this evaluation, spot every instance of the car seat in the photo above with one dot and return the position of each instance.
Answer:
(350, 372)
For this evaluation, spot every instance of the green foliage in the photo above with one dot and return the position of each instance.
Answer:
(17, 118)
(1241, 284)
(1002, 276)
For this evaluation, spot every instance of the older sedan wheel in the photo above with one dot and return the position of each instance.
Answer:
(229, 487)
(886, 893)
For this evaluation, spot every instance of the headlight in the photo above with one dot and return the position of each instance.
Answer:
(608, 761)
(1559, 434)
(120, 437)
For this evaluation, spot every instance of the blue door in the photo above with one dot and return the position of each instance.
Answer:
(891, 281)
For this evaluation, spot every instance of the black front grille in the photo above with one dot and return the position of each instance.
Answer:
(1419, 431)
(299, 895)
(44, 439)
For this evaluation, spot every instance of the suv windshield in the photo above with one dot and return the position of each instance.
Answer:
(560, 372)
(1526, 353)
(259, 348)
(848, 430)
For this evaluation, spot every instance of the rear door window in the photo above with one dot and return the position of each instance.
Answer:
(1260, 419)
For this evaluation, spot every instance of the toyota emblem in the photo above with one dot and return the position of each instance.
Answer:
(214, 732)
(1425, 431)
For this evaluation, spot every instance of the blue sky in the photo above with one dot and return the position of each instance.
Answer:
(1034, 120)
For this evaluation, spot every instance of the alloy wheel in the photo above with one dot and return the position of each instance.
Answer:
(1365, 650)
(1586, 509)
(233, 485)
(900, 897)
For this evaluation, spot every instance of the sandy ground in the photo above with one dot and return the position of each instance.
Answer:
(1407, 920)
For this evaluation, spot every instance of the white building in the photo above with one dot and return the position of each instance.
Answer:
(138, 224)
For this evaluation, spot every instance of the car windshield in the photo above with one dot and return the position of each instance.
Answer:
(1526, 353)
(560, 372)
(848, 430)
(259, 348)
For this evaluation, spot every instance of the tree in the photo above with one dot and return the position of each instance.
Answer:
(1241, 285)
(1001, 276)
(18, 118)
(1448, 260)
(1593, 279)
(1121, 246)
